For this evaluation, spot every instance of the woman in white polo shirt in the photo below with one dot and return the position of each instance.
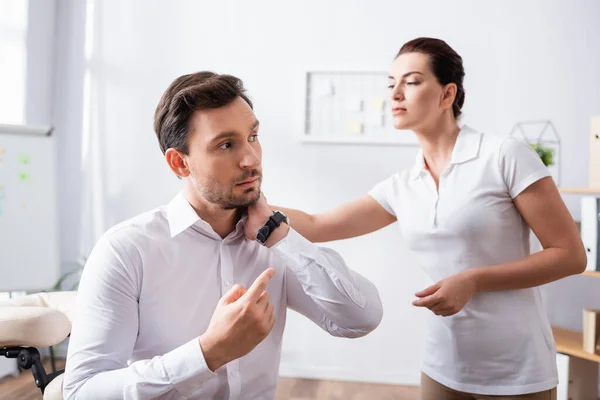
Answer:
(465, 209)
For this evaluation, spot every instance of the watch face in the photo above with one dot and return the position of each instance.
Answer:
(279, 217)
(285, 218)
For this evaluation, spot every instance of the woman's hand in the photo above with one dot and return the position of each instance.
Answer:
(448, 296)
(258, 215)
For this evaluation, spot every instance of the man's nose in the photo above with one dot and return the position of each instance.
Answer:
(251, 158)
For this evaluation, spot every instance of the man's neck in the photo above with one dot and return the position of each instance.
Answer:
(222, 221)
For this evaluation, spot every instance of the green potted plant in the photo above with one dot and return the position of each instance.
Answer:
(545, 153)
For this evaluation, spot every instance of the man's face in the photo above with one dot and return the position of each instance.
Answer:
(225, 156)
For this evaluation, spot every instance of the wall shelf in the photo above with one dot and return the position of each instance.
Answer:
(595, 274)
(571, 343)
(581, 190)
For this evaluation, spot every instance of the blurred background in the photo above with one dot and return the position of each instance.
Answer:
(95, 69)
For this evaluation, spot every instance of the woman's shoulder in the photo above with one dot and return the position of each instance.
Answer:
(506, 151)
(497, 144)
(492, 139)
(397, 176)
(393, 182)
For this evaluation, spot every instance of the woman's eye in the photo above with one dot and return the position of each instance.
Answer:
(413, 83)
(390, 86)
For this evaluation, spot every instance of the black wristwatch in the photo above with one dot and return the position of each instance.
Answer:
(273, 222)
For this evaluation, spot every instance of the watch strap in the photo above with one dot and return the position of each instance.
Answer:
(272, 223)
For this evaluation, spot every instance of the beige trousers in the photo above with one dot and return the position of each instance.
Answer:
(432, 390)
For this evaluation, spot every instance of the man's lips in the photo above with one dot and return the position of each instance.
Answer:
(247, 181)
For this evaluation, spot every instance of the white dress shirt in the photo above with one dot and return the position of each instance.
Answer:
(149, 290)
(500, 343)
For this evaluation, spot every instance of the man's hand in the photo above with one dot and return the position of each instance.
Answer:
(448, 296)
(242, 319)
(258, 215)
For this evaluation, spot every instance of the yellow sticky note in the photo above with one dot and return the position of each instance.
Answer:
(355, 128)
(376, 104)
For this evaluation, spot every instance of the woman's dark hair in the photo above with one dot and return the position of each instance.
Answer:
(445, 63)
(189, 93)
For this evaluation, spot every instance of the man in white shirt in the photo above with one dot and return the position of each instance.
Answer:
(182, 302)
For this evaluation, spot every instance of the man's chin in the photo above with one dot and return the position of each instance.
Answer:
(244, 201)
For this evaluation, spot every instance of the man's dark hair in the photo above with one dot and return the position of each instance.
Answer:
(189, 93)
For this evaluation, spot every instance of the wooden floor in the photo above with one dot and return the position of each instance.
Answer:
(309, 389)
(23, 388)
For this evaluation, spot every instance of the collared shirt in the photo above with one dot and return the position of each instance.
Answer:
(149, 290)
(501, 342)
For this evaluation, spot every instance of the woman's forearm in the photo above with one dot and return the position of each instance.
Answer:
(303, 223)
(546, 266)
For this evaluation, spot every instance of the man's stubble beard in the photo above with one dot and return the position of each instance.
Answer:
(225, 198)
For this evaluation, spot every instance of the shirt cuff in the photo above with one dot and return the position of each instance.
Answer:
(380, 199)
(296, 250)
(298, 253)
(187, 368)
(528, 181)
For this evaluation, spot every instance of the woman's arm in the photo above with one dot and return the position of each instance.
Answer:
(355, 218)
(563, 254)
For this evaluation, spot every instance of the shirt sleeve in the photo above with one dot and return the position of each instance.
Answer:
(383, 193)
(520, 166)
(320, 286)
(104, 332)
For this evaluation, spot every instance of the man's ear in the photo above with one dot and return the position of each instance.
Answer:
(448, 96)
(177, 162)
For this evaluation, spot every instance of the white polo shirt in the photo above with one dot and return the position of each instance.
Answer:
(501, 342)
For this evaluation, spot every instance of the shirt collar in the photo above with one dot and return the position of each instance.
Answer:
(466, 148)
(419, 166)
(181, 216)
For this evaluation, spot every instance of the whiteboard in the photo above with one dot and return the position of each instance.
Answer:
(29, 246)
(351, 107)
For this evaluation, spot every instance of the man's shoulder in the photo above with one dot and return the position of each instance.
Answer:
(151, 224)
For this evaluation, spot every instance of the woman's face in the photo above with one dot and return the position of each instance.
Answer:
(417, 98)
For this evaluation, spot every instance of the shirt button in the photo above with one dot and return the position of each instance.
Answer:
(226, 283)
(233, 373)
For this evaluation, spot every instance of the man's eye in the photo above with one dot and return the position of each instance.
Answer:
(253, 138)
(225, 145)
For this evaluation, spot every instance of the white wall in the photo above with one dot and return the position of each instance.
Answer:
(524, 60)
(67, 117)
(26, 66)
(13, 62)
